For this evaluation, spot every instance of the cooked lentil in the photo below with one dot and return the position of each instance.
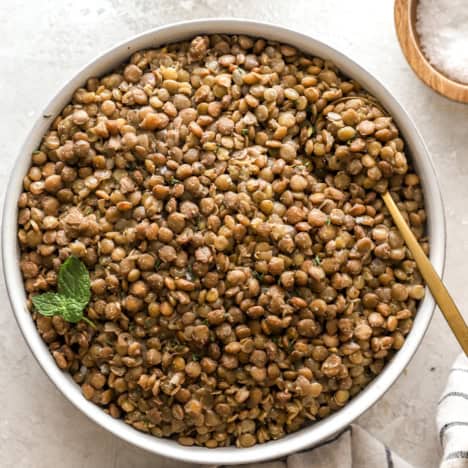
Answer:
(247, 278)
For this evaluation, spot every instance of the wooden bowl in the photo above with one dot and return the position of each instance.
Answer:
(405, 23)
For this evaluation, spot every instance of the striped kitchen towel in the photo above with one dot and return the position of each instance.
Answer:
(452, 416)
(352, 448)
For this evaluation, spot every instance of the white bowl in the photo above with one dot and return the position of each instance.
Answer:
(315, 433)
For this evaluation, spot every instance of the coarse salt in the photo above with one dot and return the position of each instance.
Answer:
(442, 26)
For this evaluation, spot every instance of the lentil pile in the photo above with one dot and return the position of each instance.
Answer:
(246, 277)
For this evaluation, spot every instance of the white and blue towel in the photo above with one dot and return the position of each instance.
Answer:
(452, 416)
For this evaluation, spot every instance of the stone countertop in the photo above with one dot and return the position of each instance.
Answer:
(45, 42)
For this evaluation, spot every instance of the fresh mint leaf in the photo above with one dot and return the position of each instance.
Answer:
(74, 293)
(73, 312)
(74, 282)
(49, 304)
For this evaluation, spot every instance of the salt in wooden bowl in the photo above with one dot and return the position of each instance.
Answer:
(405, 24)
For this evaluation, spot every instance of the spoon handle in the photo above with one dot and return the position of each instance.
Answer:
(438, 290)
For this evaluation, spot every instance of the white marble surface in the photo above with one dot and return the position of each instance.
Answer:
(44, 42)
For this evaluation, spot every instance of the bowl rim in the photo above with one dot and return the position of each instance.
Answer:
(308, 436)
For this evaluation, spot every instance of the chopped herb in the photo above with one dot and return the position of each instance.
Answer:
(174, 181)
(245, 131)
(328, 222)
(195, 357)
(174, 342)
(190, 275)
(260, 276)
(308, 164)
(291, 344)
(317, 260)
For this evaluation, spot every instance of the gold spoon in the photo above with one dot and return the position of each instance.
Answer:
(439, 291)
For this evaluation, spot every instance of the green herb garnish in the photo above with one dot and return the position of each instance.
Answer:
(74, 293)
(245, 131)
(308, 164)
(190, 274)
(328, 222)
(195, 357)
(174, 181)
(259, 275)
(291, 344)
(317, 260)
